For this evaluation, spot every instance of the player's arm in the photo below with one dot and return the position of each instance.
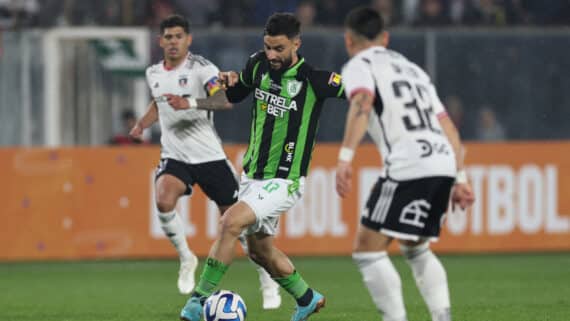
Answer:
(217, 101)
(355, 129)
(327, 84)
(149, 117)
(237, 88)
(462, 193)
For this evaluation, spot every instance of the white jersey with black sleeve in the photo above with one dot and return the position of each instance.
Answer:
(187, 135)
(404, 124)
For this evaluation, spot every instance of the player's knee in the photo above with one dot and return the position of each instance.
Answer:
(165, 205)
(230, 225)
(411, 250)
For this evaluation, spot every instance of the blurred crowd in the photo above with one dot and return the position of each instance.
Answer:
(16, 14)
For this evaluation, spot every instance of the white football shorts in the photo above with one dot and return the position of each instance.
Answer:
(269, 199)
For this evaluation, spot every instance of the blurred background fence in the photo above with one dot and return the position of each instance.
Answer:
(497, 85)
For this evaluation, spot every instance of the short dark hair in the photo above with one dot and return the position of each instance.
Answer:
(365, 21)
(282, 23)
(175, 21)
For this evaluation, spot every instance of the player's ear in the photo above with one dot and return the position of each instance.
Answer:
(297, 43)
(347, 39)
(385, 39)
(159, 40)
(189, 39)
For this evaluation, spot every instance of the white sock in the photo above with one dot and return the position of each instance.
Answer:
(431, 280)
(383, 283)
(265, 280)
(173, 227)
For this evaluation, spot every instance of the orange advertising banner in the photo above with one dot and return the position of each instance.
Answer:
(78, 203)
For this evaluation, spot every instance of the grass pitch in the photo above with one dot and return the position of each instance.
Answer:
(529, 287)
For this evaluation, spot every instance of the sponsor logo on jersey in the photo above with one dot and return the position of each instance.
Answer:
(335, 79)
(212, 86)
(183, 81)
(155, 85)
(294, 87)
(289, 149)
(274, 104)
(274, 86)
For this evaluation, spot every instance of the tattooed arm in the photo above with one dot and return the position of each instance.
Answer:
(355, 128)
(217, 101)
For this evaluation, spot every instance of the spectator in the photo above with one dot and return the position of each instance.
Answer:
(432, 14)
(128, 119)
(410, 11)
(20, 13)
(160, 10)
(200, 12)
(457, 113)
(489, 128)
(306, 13)
(389, 12)
(486, 12)
(329, 13)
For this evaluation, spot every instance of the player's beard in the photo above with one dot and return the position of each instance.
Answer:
(285, 63)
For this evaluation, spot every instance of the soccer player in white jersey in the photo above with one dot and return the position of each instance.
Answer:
(191, 149)
(396, 102)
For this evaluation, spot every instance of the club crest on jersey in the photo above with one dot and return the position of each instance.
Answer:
(183, 81)
(294, 87)
(335, 79)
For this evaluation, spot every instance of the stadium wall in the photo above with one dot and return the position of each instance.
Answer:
(87, 203)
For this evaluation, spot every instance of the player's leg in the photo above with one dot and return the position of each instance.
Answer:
(218, 180)
(430, 277)
(262, 251)
(378, 272)
(232, 223)
(169, 186)
(269, 288)
(427, 269)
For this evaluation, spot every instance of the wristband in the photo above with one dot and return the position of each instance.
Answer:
(192, 102)
(346, 154)
(461, 177)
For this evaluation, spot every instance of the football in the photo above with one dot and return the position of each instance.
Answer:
(224, 305)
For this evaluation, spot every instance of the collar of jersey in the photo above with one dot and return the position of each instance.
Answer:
(293, 70)
(174, 68)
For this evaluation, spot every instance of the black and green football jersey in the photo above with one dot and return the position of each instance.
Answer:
(285, 115)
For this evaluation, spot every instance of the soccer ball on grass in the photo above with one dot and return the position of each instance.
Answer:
(224, 305)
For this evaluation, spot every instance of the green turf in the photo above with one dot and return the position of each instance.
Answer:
(483, 288)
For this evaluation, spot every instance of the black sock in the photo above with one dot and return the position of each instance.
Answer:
(306, 298)
(200, 297)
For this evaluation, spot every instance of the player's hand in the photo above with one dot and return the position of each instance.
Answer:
(177, 102)
(462, 195)
(136, 132)
(228, 79)
(343, 178)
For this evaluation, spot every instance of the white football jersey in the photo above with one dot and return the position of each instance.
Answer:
(187, 135)
(404, 124)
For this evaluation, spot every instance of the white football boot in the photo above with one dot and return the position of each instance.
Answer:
(186, 275)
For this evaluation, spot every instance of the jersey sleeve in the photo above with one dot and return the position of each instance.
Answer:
(209, 78)
(148, 78)
(438, 108)
(327, 84)
(246, 80)
(357, 77)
